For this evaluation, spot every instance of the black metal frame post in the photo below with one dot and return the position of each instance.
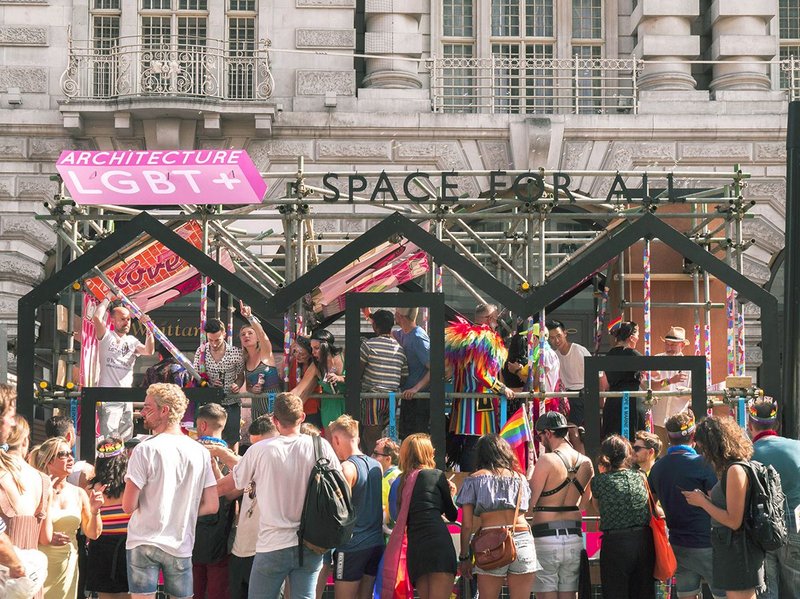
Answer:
(790, 413)
(91, 396)
(354, 303)
(592, 366)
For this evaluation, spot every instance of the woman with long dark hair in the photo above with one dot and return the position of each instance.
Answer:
(737, 562)
(327, 372)
(423, 495)
(301, 363)
(626, 334)
(627, 555)
(106, 571)
(497, 492)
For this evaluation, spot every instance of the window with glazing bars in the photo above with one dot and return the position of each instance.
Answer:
(458, 82)
(789, 26)
(241, 58)
(457, 18)
(105, 35)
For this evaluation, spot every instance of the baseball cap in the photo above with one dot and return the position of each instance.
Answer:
(552, 421)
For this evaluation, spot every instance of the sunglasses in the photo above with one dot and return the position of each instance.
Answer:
(639, 447)
(64, 454)
(377, 453)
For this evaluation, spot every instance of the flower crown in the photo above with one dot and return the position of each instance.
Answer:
(754, 416)
(109, 449)
(687, 428)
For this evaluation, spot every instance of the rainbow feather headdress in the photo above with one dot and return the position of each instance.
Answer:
(475, 353)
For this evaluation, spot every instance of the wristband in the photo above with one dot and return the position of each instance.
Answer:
(463, 558)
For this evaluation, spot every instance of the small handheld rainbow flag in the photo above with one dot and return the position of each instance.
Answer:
(614, 323)
(517, 429)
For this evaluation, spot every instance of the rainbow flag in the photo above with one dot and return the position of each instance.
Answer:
(517, 429)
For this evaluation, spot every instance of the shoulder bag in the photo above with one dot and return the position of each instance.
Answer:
(665, 563)
(494, 547)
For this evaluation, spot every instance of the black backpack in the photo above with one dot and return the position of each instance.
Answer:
(765, 517)
(328, 515)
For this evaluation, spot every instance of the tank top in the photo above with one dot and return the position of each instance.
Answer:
(115, 520)
(22, 530)
(368, 504)
(265, 375)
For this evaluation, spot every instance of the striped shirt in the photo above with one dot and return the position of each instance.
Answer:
(115, 520)
(384, 363)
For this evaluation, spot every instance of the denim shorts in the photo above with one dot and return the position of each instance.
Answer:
(695, 564)
(526, 562)
(144, 563)
(560, 557)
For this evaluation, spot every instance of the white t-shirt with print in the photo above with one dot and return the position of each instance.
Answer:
(117, 356)
(571, 370)
(280, 468)
(171, 471)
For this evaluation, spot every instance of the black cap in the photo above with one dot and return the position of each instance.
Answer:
(552, 421)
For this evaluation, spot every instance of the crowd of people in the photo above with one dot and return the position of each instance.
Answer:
(166, 512)
(204, 517)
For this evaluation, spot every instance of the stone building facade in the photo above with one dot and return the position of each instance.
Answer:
(450, 84)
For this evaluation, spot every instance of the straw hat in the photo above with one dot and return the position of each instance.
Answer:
(676, 335)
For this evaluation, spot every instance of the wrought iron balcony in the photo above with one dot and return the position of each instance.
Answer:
(175, 67)
(514, 85)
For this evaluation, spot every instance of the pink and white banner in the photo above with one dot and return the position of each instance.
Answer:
(158, 178)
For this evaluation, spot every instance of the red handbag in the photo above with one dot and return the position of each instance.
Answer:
(665, 564)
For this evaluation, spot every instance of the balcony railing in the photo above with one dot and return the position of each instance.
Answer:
(559, 86)
(181, 67)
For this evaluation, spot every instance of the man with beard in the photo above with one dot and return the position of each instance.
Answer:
(117, 351)
(223, 363)
(169, 483)
(559, 490)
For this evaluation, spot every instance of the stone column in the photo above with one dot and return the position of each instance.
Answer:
(740, 35)
(664, 32)
(393, 30)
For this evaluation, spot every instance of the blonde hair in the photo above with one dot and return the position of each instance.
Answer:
(19, 433)
(416, 452)
(288, 409)
(171, 396)
(410, 313)
(344, 424)
(41, 455)
(8, 401)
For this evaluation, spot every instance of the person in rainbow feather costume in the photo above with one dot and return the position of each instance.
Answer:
(474, 354)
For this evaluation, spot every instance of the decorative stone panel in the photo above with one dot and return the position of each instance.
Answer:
(325, 38)
(318, 83)
(353, 149)
(20, 269)
(40, 187)
(771, 152)
(722, 151)
(325, 3)
(30, 80)
(766, 234)
(264, 152)
(49, 148)
(28, 229)
(21, 35)
(12, 147)
(494, 155)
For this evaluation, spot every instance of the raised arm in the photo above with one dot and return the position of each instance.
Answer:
(149, 347)
(99, 319)
(91, 522)
(264, 344)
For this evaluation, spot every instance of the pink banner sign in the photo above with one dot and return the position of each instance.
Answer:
(158, 178)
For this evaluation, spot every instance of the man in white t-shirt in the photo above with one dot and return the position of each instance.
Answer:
(570, 358)
(279, 469)
(244, 543)
(169, 484)
(117, 351)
